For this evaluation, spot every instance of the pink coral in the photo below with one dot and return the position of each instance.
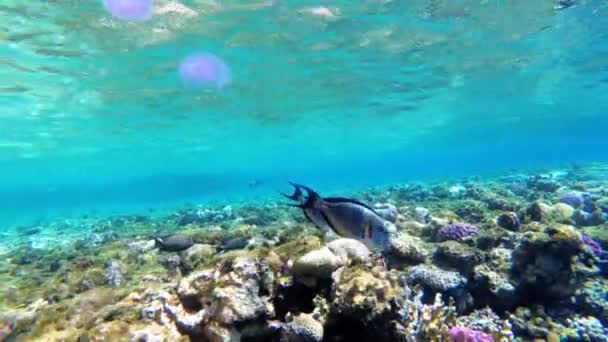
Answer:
(463, 334)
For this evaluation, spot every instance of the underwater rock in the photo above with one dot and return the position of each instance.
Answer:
(114, 274)
(349, 250)
(194, 256)
(497, 203)
(371, 297)
(531, 324)
(508, 221)
(422, 215)
(457, 255)
(493, 238)
(482, 320)
(585, 329)
(317, 264)
(321, 263)
(146, 336)
(573, 199)
(435, 278)
(457, 231)
(471, 210)
(387, 211)
(218, 303)
(496, 283)
(551, 263)
(543, 184)
(585, 219)
(412, 227)
(55, 266)
(408, 248)
(140, 247)
(543, 212)
(171, 263)
(539, 211)
(593, 245)
(563, 211)
(204, 216)
(301, 328)
(592, 298)
(174, 243)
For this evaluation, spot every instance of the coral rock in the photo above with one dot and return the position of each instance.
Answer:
(508, 221)
(214, 300)
(543, 212)
(409, 248)
(320, 263)
(387, 211)
(457, 255)
(457, 231)
(423, 215)
(435, 278)
(349, 250)
(552, 262)
(114, 274)
(301, 328)
(463, 334)
(368, 296)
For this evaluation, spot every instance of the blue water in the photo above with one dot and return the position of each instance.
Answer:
(95, 120)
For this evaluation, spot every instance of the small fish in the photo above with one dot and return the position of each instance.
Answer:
(174, 243)
(346, 217)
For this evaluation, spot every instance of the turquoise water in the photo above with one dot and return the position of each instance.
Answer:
(95, 119)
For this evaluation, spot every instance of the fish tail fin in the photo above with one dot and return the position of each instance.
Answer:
(297, 193)
(313, 200)
(158, 242)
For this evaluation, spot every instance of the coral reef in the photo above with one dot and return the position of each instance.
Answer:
(463, 334)
(551, 262)
(457, 231)
(517, 258)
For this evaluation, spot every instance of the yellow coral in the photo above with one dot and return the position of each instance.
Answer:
(430, 322)
(505, 334)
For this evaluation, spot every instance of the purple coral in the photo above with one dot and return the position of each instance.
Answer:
(595, 247)
(573, 199)
(464, 334)
(457, 231)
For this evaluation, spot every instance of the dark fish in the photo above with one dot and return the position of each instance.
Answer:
(234, 243)
(346, 217)
(174, 243)
(312, 214)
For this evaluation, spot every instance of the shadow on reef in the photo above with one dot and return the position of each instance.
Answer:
(344, 328)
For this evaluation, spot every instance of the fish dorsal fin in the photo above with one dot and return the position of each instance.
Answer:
(336, 200)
